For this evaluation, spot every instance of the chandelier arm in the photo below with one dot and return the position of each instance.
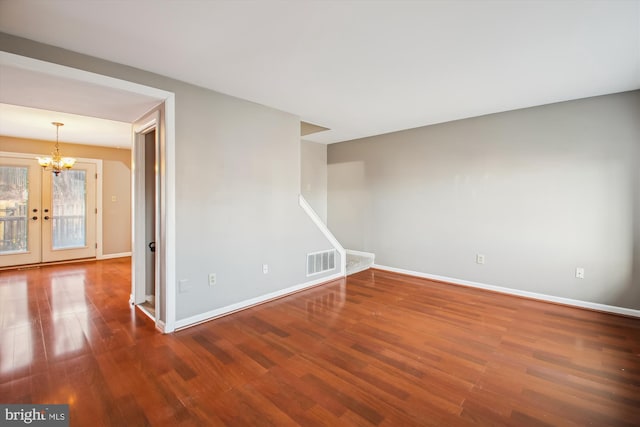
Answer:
(56, 163)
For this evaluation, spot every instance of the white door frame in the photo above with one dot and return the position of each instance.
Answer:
(49, 254)
(148, 123)
(98, 195)
(166, 161)
(33, 251)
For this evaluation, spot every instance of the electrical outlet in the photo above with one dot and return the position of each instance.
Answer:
(580, 273)
(212, 279)
(479, 259)
(265, 268)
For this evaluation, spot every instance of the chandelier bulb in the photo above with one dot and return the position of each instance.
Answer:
(56, 163)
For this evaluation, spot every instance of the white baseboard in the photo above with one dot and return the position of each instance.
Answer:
(160, 326)
(360, 253)
(219, 312)
(549, 298)
(370, 256)
(118, 255)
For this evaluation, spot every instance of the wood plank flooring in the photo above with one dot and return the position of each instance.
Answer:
(375, 349)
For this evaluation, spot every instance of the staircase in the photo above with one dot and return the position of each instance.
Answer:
(358, 261)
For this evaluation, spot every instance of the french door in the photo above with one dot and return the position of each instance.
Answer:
(43, 217)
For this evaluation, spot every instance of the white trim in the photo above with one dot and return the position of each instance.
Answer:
(167, 172)
(533, 295)
(360, 253)
(99, 182)
(323, 228)
(369, 255)
(168, 184)
(116, 255)
(160, 325)
(209, 315)
(99, 212)
(69, 73)
(150, 121)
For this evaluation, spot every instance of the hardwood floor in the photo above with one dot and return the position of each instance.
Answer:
(376, 349)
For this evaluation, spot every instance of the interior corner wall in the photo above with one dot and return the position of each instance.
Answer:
(237, 196)
(314, 176)
(116, 184)
(538, 191)
(237, 183)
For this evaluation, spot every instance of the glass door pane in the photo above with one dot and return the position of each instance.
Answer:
(69, 203)
(14, 197)
(20, 219)
(70, 209)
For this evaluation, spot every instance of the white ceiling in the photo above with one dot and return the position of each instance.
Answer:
(93, 114)
(360, 68)
(32, 123)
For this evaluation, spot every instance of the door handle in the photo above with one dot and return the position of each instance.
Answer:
(46, 217)
(34, 218)
(152, 246)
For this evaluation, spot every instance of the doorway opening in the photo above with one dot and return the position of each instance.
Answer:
(46, 218)
(150, 190)
(147, 245)
(133, 99)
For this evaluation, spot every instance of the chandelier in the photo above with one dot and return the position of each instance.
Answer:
(56, 163)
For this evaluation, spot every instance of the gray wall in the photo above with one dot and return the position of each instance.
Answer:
(314, 176)
(538, 191)
(238, 168)
(237, 184)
